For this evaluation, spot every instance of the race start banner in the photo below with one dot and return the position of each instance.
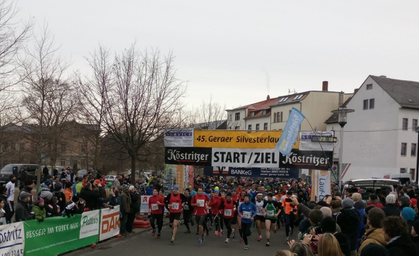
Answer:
(12, 239)
(109, 223)
(58, 235)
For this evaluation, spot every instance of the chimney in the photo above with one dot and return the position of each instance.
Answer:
(325, 86)
(268, 98)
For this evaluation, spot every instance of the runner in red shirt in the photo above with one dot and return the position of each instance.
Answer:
(174, 203)
(229, 214)
(215, 204)
(155, 204)
(200, 202)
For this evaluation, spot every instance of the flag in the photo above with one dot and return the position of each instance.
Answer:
(290, 134)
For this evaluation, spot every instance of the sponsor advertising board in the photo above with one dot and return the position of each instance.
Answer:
(188, 156)
(179, 137)
(252, 172)
(89, 225)
(109, 223)
(321, 183)
(306, 143)
(236, 139)
(12, 240)
(307, 159)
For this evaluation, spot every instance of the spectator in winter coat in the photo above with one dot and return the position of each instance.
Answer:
(391, 209)
(360, 206)
(348, 220)
(409, 216)
(375, 250)
(415, 233)
(149, 189)
(23, 211)
(374, 234)
(125, 208)
(328, 225)
(39, 210)
(91, 197)
(7, 210)
(373, 200)
(398, 238)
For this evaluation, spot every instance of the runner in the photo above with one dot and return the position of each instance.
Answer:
(200, 203)
(174, 203)
(239, 223)
(271, 210)
(290, 211)
(260, 219)
(156, 212)
(228, 207)
(247, 211)
(187, 211)
(215, 203)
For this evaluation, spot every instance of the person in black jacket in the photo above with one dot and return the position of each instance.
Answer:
(135, 208)
(23, 211)
(90, 197)
(328, 225)
(348, 220)
(415, 233)
(7, 209)
(391, 209)
(396, 234)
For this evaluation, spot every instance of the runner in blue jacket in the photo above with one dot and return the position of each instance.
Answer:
(247, 211)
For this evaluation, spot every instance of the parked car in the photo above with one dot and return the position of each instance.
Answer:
(15, 169)
(373, 186)
(402, 177)
(110, 178)
(83, 172)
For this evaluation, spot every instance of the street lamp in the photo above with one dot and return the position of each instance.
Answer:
(342, 113)
(417, 156)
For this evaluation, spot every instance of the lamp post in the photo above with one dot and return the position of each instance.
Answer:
(417, 155)
(342, 113)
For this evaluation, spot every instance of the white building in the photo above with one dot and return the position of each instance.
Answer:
(380, 137)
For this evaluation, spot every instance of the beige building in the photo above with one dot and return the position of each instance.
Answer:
(316, 106)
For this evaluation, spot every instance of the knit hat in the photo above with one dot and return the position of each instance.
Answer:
(24, 195)
(416, 226)
(359, 205)
(328, 225)
(176, 187)
(413, 202)
(46, 195)
(347, 203)
(408, 214)
(58, 187)
(374, 249)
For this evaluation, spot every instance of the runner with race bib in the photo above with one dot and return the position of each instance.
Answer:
(271, 210)
(247, 211)
(174, 203)
(156, 212)
(229, 214)
(200, 203)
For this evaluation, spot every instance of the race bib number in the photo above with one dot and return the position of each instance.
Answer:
(260, 211)
(270, 213)
(201, 202)
(154, 207)
(175, 206)
(228, 213)
(247, 215)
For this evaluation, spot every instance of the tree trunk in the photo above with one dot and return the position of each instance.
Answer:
(133, 160)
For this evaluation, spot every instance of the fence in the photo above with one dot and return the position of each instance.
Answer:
(58, 235)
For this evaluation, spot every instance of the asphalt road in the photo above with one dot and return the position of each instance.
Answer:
(185, 244)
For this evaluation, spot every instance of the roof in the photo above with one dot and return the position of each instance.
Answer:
(265, 104)
(292, 98)
(334, 118)
(405, 93)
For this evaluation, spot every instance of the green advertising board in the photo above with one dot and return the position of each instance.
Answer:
(61, 234)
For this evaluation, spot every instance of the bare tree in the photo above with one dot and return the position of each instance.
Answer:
(48, 97)
(141, 99)
(209, 115)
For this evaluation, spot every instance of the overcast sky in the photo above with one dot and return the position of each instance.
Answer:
(240, 51)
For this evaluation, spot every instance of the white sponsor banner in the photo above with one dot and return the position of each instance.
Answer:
(307, 145)
(322, 183)
(13, 239)
(245, 158)
(182, 137)
(109, 223)
(144, 204)
(89, 225)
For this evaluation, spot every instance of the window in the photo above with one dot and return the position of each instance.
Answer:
(412, 173)
(278, 117)
(249, 127)
(414, 124)
(413, 149)
(63, 148)
(402, 170)
(369, 86)
(252, 113)
(265, 126)
(230, 117)
(62, 162)
(257, 127)
(404, 149)
(405, 124)
(372, 102)
(237, 128)
(283, 99)
(365, 104)
(237, 116)
(264, 112)
(299, 96)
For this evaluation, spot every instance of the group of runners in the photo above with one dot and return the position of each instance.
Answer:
(227, 211)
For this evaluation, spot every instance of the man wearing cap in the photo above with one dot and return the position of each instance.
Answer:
(200, 203)
(348, 220)
(23, 211)
(174, 203)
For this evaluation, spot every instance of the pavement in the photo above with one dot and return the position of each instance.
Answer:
(185, 244)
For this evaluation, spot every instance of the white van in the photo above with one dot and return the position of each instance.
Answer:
(402, 177)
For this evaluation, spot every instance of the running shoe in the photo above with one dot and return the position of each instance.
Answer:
(226, 241)
(216, 233)
(267, 243)
(199, 241)
(246, 247)
(153, 233)
(172, 240)
(241, 240)
(260, 238)
(158, 236)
